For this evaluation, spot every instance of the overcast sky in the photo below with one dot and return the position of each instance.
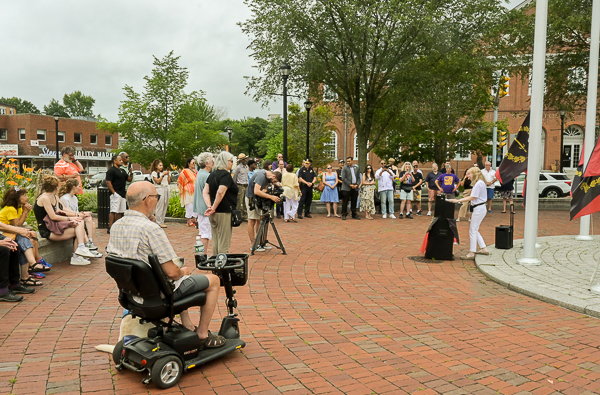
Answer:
(50, 48)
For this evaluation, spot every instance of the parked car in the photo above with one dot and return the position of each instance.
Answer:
(139, 176)
(96, 179)
(552, 185)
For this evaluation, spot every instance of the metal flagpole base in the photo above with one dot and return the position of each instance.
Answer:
(529, 261)
(584, 238)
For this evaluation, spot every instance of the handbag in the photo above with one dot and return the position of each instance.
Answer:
(236, 218)
(56, 227)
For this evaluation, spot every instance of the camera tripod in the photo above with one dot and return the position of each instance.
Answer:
(263, 230)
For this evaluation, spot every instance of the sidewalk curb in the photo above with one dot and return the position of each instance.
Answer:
(496, 267)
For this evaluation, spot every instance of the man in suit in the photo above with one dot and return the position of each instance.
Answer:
(350, 183)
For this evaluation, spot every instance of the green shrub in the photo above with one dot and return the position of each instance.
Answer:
(175, 210)
(316, 194)
(88, 201)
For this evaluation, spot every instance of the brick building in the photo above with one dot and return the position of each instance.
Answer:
(513, 107)
(31, 139)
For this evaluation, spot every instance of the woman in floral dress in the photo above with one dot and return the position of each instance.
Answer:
(367, 192)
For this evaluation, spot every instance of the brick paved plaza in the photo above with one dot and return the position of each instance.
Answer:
(347, 311)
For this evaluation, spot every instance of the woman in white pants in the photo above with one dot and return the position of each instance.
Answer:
(161, 179)
(478, 199)
(291, 190)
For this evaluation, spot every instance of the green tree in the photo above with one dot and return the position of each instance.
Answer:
(356, 48)
(246, 136)
(54, 107)
(23, 106)
(164, 122)
(569, 25)
(446, 97)
(78, 105)
(319, 136)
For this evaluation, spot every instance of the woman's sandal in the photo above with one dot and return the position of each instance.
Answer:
(503, 212)
(213, 341)
(38, 267)
(31, 282)
(337, 216)
(36, 274)
(466, 257)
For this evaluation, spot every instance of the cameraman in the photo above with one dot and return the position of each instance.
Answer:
(257, 186)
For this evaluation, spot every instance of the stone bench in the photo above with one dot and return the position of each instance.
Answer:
(55, 251)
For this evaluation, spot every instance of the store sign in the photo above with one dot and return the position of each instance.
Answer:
(80, 154)
(9, 150)
(35, 143)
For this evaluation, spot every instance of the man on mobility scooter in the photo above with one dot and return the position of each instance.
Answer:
(153, 287)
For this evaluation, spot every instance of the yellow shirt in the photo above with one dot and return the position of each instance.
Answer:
(9, 213)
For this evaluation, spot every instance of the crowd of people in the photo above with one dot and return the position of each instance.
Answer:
(212, 187)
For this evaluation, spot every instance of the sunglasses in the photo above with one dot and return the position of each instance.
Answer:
(329, 167)
(157, 196)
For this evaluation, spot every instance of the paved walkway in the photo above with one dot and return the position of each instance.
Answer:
(352, 309)
(562, 278)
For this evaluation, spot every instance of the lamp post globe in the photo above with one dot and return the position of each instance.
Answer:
(284, 71)
(56, 118)
(229, 131)
(307, 105)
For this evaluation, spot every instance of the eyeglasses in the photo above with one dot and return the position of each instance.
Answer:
(415, 165)
(157, 196)
(369, 168)
(126, 157)
(329, 167)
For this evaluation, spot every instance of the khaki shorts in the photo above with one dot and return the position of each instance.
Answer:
(416, 195)
(252, 214)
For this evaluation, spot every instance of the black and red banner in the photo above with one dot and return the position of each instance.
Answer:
(515, 160)
(586, 195)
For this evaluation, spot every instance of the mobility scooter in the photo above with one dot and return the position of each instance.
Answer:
(171, 349)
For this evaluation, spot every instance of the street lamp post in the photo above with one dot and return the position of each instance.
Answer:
(307, 105)
(229, 130)
(284, 70)
(56, 117)
(562, 137)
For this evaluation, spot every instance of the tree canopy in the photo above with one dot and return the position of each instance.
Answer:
(23, 106)
(357, 49)
(164, 122)
(78, 105)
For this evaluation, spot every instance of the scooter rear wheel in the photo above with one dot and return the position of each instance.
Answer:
(167, 371)
(118, 352)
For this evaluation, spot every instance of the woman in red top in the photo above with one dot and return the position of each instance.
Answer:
(186, 183)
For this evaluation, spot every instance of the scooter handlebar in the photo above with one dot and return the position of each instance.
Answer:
(210, 264)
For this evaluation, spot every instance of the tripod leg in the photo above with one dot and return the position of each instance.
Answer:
(278, 238)
(258, 236)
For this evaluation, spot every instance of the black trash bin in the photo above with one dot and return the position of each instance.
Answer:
(103, 207)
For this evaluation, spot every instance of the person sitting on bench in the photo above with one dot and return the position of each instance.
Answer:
(135, 236)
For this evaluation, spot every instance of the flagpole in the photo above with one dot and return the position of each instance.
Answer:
(535, 135)
(592, 97)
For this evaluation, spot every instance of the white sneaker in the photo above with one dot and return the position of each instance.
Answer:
(384, 216)
(96, 254)
(457, 219)
(77, 260)
(392, 216)
(90, 245)
(83, 251)
(267, 247)
(259, 249)
(429, 213)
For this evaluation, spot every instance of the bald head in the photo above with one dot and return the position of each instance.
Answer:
(136, 194)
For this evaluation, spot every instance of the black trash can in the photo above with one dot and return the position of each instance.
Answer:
(103, 207)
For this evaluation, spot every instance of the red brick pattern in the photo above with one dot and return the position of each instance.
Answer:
(346, 311)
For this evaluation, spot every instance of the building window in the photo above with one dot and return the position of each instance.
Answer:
(77, 138)
(461, 153)
(3, 134)
(107, 140)
(330, 148)
(329, 94)
(2, 111)
(356, 147)
(61, 137)
(41, 135)
(93, 139)
(22, 135)
(12, 111)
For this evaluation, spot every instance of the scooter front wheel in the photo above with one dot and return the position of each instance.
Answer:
(117, 352)
(167, 371)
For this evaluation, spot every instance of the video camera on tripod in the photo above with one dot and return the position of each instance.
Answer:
(265, 204)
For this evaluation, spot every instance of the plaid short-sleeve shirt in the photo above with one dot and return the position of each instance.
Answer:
(135, 237)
